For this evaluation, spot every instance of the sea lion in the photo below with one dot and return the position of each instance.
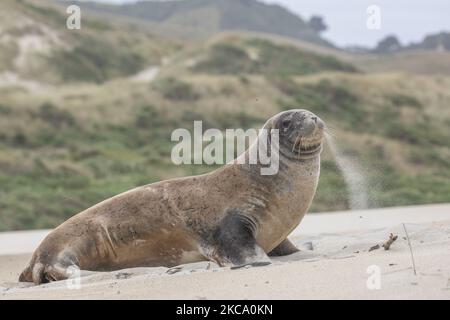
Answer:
(233, 216)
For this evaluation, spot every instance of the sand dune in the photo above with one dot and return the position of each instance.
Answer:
(335, 263)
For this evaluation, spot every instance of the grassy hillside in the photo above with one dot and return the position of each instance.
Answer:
(36, 45)
(74, 143)
(260, 56)
(418, 62)
(199, 19)
(64, 151)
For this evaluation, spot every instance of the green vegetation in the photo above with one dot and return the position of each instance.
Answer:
(67, 167)
(227, 59)
(287, 60)
(332, 101)
(404, 100)
(176, 90)
(53, 15)
(331, 193)
(393, 187)
(240, 119)
(54, 116)
(95, 60)
(257, 56)
(60, 164)
(353, 112)
(4, 110)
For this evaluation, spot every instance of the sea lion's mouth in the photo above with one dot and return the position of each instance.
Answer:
(305, 147)
(310, 150)
(302, 148)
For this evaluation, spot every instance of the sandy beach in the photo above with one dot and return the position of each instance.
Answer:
(341, 258)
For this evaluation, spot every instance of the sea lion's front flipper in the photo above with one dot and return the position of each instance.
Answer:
(285, 248)
(235, 243)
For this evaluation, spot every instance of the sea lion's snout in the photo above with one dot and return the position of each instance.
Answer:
(306, 125)
(301, 133)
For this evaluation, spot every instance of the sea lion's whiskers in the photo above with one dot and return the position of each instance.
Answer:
(299, 148)
(291, 135)
(296, 142)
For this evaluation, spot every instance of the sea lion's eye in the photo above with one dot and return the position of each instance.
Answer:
(285, 124)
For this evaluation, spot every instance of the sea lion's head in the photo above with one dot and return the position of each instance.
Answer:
(301, 133)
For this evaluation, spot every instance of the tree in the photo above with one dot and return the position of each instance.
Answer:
(388, 44)
(317, 24)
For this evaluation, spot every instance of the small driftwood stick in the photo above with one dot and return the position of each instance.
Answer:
(389, 241)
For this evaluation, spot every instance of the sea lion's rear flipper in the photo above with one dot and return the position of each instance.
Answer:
(42, 270)
(285, 248)
(56, 273)
(47, 273)
(26, 275)
(235, 243)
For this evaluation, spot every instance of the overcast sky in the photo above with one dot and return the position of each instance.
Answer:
(410, 20)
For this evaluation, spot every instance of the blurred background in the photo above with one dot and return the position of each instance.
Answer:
(86, 114)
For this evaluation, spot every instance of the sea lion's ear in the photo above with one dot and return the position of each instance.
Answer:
(235, 243)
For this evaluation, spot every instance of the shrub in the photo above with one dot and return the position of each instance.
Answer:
(55, 116)
(4, 110)
(328, 100)
(272, 59)
(177, 90)
(285, 84)
(236, 120)
(288, 60)
(148, 117)
(226, 59)
(94, 60)
(405, 101)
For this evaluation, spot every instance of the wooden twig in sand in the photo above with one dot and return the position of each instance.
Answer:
(389, 241)
(410, 249)
(385, 245)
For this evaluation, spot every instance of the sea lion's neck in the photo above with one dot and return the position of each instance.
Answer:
(277, 202)
(257, 160)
